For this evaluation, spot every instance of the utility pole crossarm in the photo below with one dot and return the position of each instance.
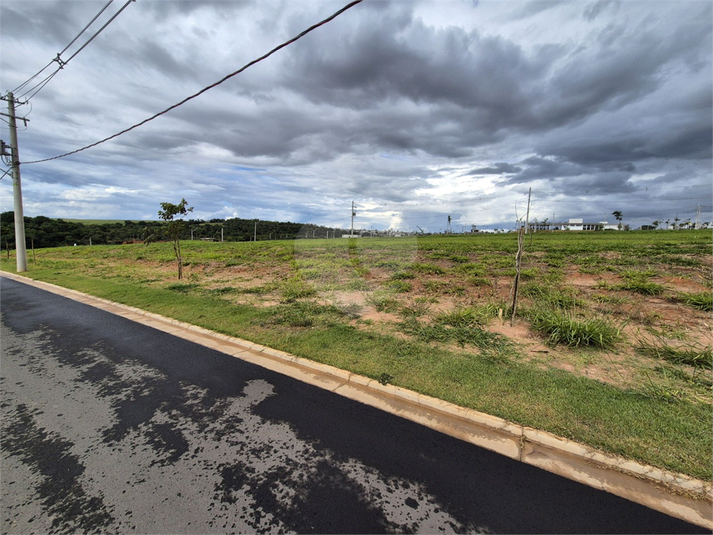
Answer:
(23, 119)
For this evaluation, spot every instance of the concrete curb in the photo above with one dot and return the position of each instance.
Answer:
(675, 494)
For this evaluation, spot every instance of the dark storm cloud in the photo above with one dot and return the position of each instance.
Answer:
(390, 100)
(631, 66)
(394, 56)
(50, 24)
(499, 168)
(536, 7)
(570, 178)
(593, 10)
(168, 8)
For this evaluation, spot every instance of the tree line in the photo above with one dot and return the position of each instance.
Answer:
(43, 231)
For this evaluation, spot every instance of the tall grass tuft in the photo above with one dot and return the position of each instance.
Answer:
(563, 328)
(696, 355)
(701, 300)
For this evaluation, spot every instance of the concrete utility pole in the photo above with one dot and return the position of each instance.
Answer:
(255, 231)
(20, 247)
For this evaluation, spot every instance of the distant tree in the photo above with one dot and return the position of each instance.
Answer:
(656, 224)
(617, 215)
(148, 236)
(675, 222)
(173, 214)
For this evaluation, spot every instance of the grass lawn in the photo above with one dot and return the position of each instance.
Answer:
(611, 346)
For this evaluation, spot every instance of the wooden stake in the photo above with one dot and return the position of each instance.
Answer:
(518, 258)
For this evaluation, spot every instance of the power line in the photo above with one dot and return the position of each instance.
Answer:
(57, 59)
(100, 29)
(87, 26)
(211, 86)
(60, 62)
(32, 77)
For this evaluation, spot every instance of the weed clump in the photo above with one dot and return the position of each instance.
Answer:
(698, 356)
(558, 297)
(643, 287)
(638, 282)
(431, 269)
(295, 289)
(701, 300)
(563, 328)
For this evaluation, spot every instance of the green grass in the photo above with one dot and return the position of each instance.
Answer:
(701, 300)
(548, 294)
(697, 356)
(642, 287)
(656, 424)
(563, 328)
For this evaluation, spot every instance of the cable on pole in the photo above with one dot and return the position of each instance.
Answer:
(85, 28)
(19, 87)
(100, 30)
(38, 87)
(211, 86)
(60, 62)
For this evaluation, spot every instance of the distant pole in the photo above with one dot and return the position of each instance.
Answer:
(255, 231)
(527, 216)
(351, 232)
(221, 234)
(20, 246)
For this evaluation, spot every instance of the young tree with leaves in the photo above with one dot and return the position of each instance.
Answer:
(173, 214)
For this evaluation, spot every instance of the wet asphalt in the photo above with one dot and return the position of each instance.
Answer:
(112, 426)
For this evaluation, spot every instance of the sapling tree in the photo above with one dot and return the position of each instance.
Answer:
(174, 214)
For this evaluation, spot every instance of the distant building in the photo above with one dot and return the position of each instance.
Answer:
(574, 224)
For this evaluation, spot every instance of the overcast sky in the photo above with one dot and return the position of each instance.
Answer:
(413, 110)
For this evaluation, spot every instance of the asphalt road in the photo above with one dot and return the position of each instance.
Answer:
(111, 426)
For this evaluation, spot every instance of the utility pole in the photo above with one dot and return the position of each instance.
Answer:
(221, 234)
(351, 232)
(255, 231)
(20, 247)
(527, 216)
(698, 217)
